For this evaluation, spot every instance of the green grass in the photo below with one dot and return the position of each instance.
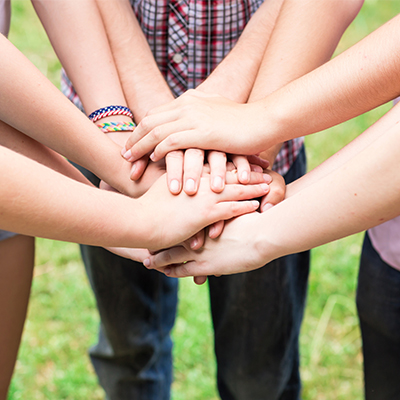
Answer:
(62, 320)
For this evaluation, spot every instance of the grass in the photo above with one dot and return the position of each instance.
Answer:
(62, 321)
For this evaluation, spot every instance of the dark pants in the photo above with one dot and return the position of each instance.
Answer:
(378, 304)
(256, 318)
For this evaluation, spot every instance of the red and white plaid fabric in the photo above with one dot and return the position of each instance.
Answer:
(189, 38)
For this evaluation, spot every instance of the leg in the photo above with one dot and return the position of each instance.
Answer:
(257, 318)
(133, 357)
(378, 304)
(17, 260)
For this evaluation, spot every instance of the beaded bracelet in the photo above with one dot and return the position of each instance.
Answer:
(110, 110)
(116, 126)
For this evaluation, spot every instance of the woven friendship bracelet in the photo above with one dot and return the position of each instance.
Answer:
(110, 110)
(116, 126)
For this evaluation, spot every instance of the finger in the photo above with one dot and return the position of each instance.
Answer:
(164, 258)
(255, 178)
(190, 268)
(216, 229)
(155, 134)
(276, 194)
(243, 168)
(197, 241)
(193, 167)
(146, 125)
(231, 209)
(217, 161)
(138, 167)
(262, 162)
(181, 139)
(174, 164)
(255, 168)
(199, 280)
(265, 205)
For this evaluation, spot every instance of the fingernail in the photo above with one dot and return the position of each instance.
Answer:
(266, 207)
(123, 150)
(218, 183)
(193, 243)
(152, 156)
(265, 186)
(245, 176)
(255, 203)
(146, 263)
(190, 185)
(127, 155)
(174, 186)
(167, 271)
(211, 231)
(267, 178)
(133, 169)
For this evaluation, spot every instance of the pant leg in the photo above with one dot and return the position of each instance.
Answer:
(378, 304)
(257, 317)
(133, 356)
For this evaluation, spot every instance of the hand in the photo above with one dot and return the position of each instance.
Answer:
(142, 185)
(276, 192)
(236, 250)
(195, 120)
(183, 215)
(190, 164)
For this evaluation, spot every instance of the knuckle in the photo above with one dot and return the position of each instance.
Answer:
(155, 134)
(145, 122)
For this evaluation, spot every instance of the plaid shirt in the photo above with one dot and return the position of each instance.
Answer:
(189, 38)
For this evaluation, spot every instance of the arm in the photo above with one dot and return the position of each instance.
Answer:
(54, 206)
(58, 124)
(305, 37)
(208, 120)
(143, 85)
(77, 34)
(339, 204)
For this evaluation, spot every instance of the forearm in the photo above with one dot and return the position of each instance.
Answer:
(363, 77)
(32, 105)
(76, 31)
(51, 205)
(22, 144)
(235, 75)
(348, 152)
(305, 36)
(143, 85)
(360, 194)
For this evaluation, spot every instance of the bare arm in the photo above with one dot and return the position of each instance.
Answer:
(32, 105)
(142, 82)
(305, 37)
(77, 34)
(339, 204)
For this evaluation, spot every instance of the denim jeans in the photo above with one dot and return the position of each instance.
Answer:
(378, 304)
(256, 318)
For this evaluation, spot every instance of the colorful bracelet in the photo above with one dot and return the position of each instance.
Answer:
(116, 126)
(110, 110)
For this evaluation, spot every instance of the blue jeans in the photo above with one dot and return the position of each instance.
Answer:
(256, 319)
(378, 304)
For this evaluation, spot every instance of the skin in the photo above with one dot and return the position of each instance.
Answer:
(335, 202)
(140, 75)
(213, 121)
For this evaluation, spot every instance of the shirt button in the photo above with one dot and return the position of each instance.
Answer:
(177, 58)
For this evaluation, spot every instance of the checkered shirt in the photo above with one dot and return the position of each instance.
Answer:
(189, 38)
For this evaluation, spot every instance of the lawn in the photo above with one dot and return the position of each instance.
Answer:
(62, 321)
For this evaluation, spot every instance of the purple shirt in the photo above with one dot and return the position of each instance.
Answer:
(386, 240)
(5, 14)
